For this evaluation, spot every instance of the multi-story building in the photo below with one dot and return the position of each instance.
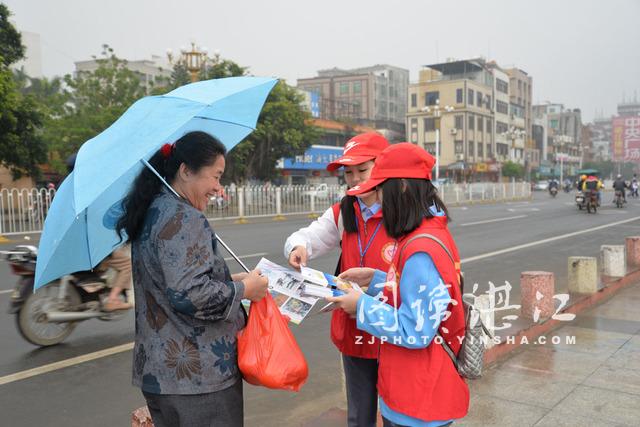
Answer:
(564, 128)
(32, 62)
(629, 108)
(153, 72)
(520, 94)
(601, 133)
(373, 96)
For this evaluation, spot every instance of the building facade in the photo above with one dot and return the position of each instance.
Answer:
(153, 72)
(371, 96)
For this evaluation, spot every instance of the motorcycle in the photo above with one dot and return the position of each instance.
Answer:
(591, 201)
(580, 200)
(48, 316)
(553, 191)
(619, 199)
(567, 188)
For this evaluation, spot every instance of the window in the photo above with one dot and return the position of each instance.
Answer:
(459, 96)
(502, 86)
(458, 147)
(344, 88)
(459, 122)
(501, 127)
(414, 137)
(489, 153)
(431, 148)
(470, 97)
(414, 100)
(489, 101)
(472, 122)
(489, 127)
(429, 125)
(502, 107)
(479, 99)
(519, 84)
(471, 144)
(357, 87)
(480, 124)
(554, 123)
(480, 149)
(430, 98)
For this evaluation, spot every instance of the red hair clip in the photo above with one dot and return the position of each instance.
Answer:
(166, 150)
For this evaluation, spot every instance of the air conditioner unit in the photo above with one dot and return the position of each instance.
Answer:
(459, 157)
(453, 131)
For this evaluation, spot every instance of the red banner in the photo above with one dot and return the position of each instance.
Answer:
(626, 139)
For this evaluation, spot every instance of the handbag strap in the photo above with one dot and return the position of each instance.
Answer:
(445, 345)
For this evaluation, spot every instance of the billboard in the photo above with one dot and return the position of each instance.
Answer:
(316, 157)
(626, 139)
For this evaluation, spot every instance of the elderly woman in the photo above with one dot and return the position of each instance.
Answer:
(188, 309)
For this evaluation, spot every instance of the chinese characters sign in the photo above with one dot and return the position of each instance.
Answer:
(626, 139)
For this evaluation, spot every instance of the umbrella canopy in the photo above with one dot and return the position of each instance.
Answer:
(79, 231)
(223, 108)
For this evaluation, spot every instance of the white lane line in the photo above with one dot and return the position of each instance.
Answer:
(248, 256)
(64, 363)
(543, 241)
(6, 292)
(492, 220)
(114, 350)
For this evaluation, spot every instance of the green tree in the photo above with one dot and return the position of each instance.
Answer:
(21, 145)
(512, 170)
(92, 101)
(11, 48)
(283, 131)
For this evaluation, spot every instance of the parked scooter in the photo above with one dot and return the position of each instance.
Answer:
(48, 316)
(553, 191)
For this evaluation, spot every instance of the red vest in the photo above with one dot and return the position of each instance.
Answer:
(424, 383)
(350, 340)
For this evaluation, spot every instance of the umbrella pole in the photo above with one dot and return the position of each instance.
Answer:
(232, 254)
(152, 169)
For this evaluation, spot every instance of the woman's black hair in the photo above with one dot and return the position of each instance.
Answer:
(348, 214)
(194, 149)
(406, 202)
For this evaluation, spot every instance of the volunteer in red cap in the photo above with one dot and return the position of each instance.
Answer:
(355, 224)
(417, 298)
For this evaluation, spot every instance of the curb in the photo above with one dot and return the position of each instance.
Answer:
(502, 350)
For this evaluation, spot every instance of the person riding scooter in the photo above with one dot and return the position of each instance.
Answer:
(592, 183)
(620, 185)
(553, 186)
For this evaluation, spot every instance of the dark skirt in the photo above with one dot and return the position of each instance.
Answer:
(222, 408)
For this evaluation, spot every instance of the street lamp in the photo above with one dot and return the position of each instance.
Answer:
(437, 110)
(192, 60)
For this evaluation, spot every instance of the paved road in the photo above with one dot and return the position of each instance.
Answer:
(536, 235)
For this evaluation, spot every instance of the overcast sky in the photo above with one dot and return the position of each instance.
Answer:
(585, 54)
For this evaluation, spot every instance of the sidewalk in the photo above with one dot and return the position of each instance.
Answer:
(594, 381)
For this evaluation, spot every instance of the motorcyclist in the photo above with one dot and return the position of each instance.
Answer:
(620, 185)
(634, 186)
(592, 183)
(553, 183)
(580, 183)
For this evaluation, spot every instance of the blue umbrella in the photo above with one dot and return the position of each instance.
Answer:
(79, 231)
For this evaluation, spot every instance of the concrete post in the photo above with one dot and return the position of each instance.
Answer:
(538, 289)
(613, 260)
(279, 216)
(583, 275)
(241, 218)
(633, 251)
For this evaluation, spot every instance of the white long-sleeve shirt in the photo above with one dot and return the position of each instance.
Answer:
(319, 237)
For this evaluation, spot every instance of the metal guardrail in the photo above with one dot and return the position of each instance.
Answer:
(23, 211)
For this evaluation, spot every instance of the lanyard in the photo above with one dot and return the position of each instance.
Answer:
(363, 253)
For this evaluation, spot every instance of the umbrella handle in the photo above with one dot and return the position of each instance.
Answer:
(232, 254)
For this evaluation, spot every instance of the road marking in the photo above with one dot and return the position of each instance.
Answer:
(125, 347)
(248, 256)
(524, 209)
(492, 220)
(65, 363)
(543, 241)
(6, 292)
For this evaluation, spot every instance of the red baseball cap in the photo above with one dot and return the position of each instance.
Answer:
(403, 160)
(359, 149)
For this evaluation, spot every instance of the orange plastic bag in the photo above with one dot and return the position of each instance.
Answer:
(268, 354)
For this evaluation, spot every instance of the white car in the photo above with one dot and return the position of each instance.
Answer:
(321, 192)
(541, 186)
